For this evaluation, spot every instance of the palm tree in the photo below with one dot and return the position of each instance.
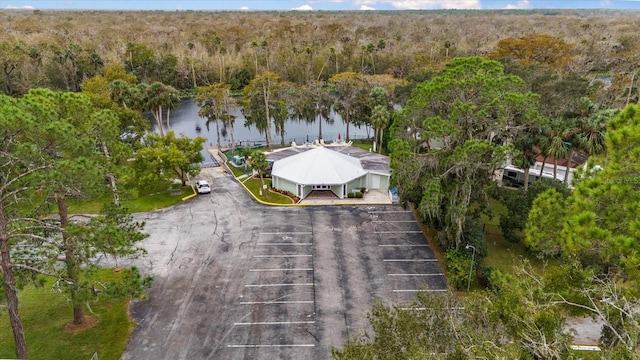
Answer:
(526, 156)
(379, 120)
(593, 131)
(570, 133)
(550, 143)
(258, 162)
(158, 96)
(557, 148)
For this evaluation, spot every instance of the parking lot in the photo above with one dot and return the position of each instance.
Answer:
(237, 280)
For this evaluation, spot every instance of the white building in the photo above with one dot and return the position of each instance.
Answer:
(338, 169)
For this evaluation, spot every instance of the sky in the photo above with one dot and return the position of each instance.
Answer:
(314, 5)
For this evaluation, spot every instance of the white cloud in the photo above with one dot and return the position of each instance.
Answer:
(303, 8)
(425, 4)
(25, 7)
(522, 4)
(365, 7)
(244, 8)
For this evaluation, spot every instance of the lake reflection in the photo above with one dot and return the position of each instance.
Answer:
(184, 120)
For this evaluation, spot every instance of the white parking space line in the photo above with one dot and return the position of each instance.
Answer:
(273, 323)
(276, 302)
(398, 232)
(283, 244)
(269, 345)
(282, 256)
(284, 269)
(427, 290)
(287, 233)
(388, 211)
(276, 285)
(410, 260)
(436, 274)
(395, 221)
(405, 245)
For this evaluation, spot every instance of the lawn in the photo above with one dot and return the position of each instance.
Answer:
(504, 255)
(44, 315)
(142, 203)
(254, 185)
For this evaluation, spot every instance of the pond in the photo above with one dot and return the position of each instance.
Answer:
(185, 120)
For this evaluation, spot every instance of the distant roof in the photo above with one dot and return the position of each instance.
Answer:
(578, 158)
(370, 161)
(318, 166)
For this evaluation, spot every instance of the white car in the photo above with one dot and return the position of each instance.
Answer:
(202, 186)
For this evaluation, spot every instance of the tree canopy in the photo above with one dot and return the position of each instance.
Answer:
(451, 136)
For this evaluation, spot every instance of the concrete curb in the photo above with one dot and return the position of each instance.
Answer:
(258, 200)
(192, 195)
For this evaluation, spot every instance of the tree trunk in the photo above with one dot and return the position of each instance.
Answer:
(319, 125)
(73, 269)
(218, 132)
(112, 178)
(265, 93)
(526, 178)
(10, 289)
(555, 168)
(168, 113)
(346, 138)
(633, 76)
(157, 113)
(544, 161)
(221, 69)
(193, 74)
(569, 161)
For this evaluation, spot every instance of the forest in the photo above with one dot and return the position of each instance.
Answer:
(452, 96)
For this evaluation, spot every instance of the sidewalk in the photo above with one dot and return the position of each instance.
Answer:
(373, 197)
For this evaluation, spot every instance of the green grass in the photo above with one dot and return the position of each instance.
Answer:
(44, 315)
(141, 203)
(254, 186)
(504, 255)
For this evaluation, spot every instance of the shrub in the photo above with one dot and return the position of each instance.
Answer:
(293, 196)
(458, 265)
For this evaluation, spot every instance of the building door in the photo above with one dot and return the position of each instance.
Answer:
(375, 182)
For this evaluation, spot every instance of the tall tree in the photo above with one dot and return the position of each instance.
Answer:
(259, 99)
(598, 228)
(22, 164)
(214, 101)
(157, 98)
(463, 139)
(164, 158)
(542, 49)
(380, 115)
(347, 86)
(553, 143)
(75, 142)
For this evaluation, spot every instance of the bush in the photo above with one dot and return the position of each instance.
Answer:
(519, 203)
(458, 265)
(357, 194)
(293, 196)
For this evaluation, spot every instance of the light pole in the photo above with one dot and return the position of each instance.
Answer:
(473, 259)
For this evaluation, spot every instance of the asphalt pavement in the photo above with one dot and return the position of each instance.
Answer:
(234, 279)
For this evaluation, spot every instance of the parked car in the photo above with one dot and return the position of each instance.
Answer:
(202, 186)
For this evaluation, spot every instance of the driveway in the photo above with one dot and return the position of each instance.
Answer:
(237, 280)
